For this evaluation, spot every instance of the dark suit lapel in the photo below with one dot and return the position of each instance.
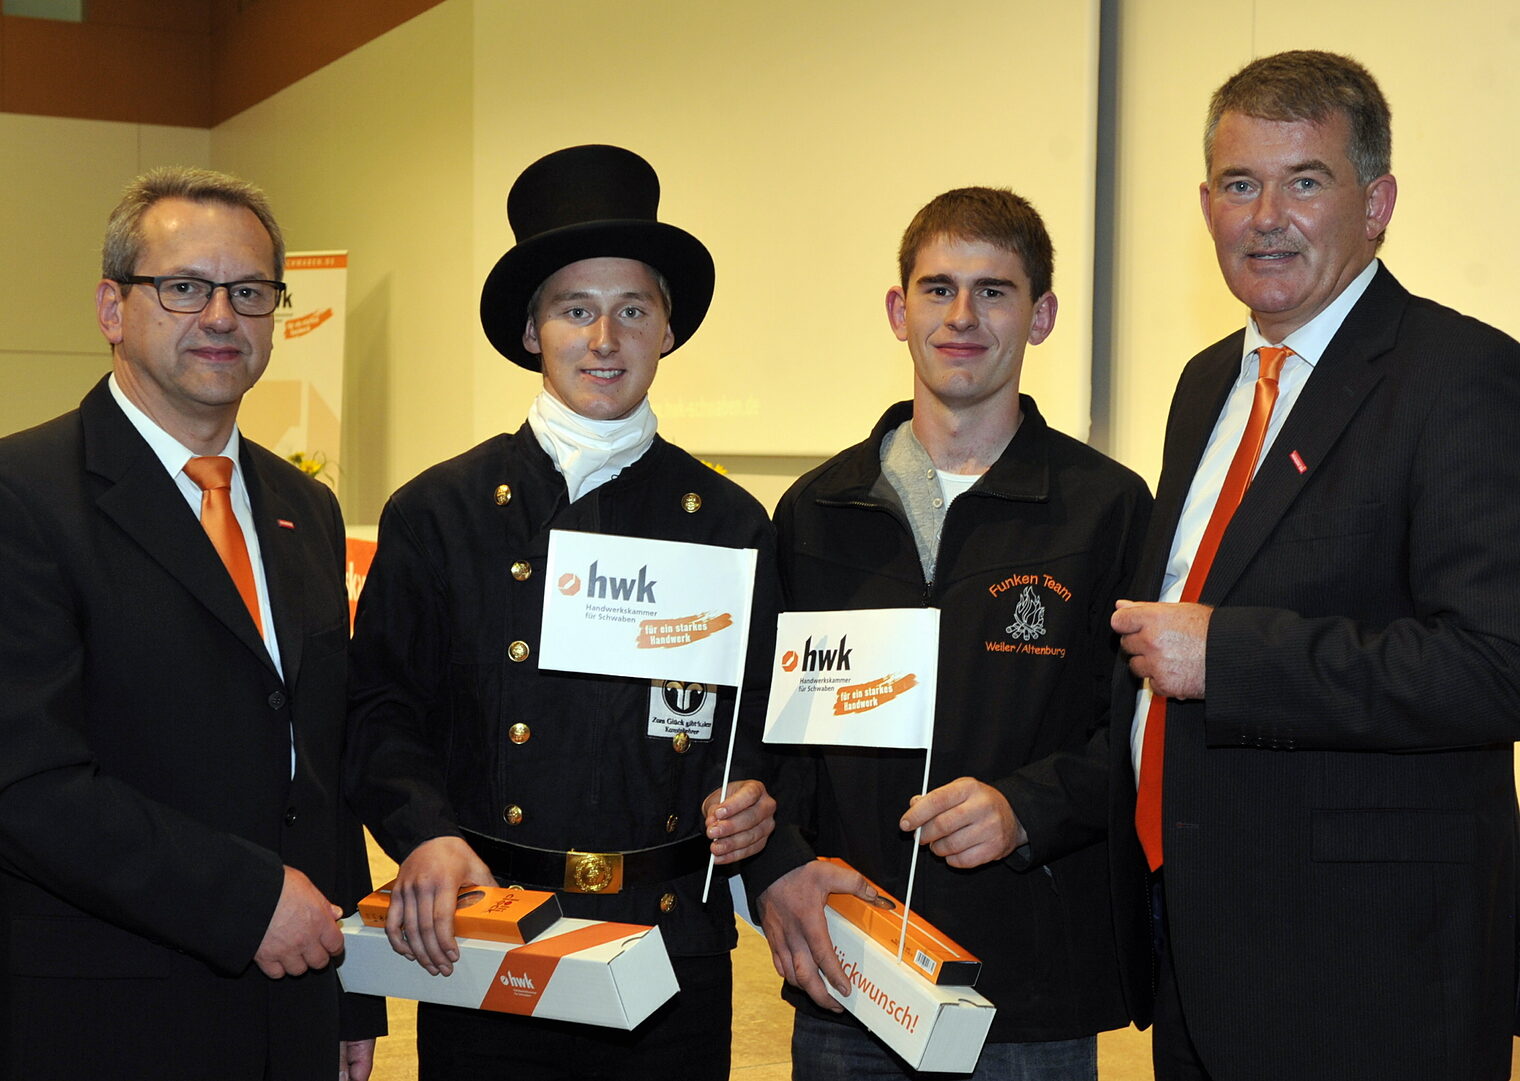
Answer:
(278, 525)
(1200, 397)
(1340, 383)
(145, 504)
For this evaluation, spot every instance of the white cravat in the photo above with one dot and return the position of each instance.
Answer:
(589, 452)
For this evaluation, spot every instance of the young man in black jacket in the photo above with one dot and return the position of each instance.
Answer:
(964, 499)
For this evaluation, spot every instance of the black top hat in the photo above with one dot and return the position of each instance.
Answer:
(589, 202)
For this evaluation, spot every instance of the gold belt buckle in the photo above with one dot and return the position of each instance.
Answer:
(593, 872)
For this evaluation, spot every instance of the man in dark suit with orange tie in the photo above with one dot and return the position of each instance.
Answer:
(1332, 660)
(173, 636)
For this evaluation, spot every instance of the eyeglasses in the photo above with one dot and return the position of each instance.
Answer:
(186, 296)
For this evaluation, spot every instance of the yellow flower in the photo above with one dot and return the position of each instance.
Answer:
(311, 463)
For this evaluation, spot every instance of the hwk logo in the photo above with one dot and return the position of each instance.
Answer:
(819, 660)
(640, 590)
(521, 983)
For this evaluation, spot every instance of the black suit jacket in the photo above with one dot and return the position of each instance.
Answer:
(146, 798)
(1339, 810)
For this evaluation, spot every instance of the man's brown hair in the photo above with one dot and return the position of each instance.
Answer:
(992, 215)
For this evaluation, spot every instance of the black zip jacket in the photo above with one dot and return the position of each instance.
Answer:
(1030, 562)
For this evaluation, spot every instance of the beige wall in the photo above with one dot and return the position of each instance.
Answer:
(1447, 70)
(797, 139)
(771, 134)
(372, 154)
(796, 144)
(58, 181)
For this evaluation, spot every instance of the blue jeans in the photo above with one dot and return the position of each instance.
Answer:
(831, 1051)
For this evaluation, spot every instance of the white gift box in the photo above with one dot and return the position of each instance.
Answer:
(587, 971)
(934, 1027)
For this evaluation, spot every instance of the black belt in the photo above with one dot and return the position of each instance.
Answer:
(589, 872)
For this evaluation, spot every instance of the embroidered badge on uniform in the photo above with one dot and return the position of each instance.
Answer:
(677, 706)
(1029, 627)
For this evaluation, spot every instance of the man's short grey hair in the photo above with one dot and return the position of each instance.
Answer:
(124, 239)
(1310, 85)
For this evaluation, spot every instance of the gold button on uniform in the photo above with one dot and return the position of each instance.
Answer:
(519, 733)
(691, 502)
(513, 815)
(503, 494)
(667, 902)
(671, 823)
(522, 570)
(681, 742)
(518, 651)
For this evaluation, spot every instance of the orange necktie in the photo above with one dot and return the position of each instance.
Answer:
(214, 477)
(1236, 480)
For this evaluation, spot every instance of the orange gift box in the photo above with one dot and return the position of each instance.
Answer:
(936, 956)
(497, 913)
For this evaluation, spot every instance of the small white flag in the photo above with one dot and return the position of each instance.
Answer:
(627, 606)
(863, 678)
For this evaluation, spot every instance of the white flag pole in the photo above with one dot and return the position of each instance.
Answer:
(733, 725)
(902, 941)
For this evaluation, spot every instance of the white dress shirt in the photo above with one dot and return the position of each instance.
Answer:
(1308, 343)
(174, 454)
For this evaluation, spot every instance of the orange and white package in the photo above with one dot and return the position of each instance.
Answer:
(937, 956)
(935, 1027)
(499, 913)
(587, 971)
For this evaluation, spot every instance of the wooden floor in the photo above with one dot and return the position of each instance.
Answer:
(762, 1023)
